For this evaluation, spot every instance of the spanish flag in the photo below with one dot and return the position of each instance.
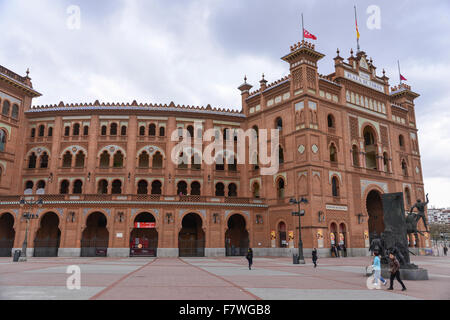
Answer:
(357, 30)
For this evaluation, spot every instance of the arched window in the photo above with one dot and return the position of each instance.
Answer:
(79, 160)
(123, 131)
(196, 162)
(33, 132)
(370, 148)
(40, 185)
(113, 129)
(104, 159)
(280, 155)
(64, 188)
(104, 130)
(67, 160)
(152, 130)
(195, 188)
(117, 187)
(102, 187)
(182, 188)
(401, 141)
(220, 190)
(41, 131)
(184, 162)
(118, 159)
(32, 161)
(255, 190)
(156, 187)
(50, 131)
(232, 164)
(76, 129)
(86, 130)
(144, 160)
(142, 187)
(404, 168)
(157, 162)
(385, 162)
(330, 120)
(2, 140)
(5, 109)
(280, 188)
(15, 111)
(78, 187)
(232, 190)
(44, 161)
(355, 155)
(335, 187)
(279, 124)
(66, 131)
(29, 185)
(142, 131)
(162, 132)
(333, 153)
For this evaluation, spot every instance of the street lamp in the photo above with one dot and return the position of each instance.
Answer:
(28, 216)
(299, 213)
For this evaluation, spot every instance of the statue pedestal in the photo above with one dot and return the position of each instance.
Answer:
(407, 274)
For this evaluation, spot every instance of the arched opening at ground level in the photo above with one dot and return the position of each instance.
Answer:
(144, 237)
(46, 242)
(191, 239)
(282, 236)
(236, 237)
(376, 216)
(95, 238)
(7, 234)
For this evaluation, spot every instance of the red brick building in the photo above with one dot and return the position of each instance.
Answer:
(105, 174)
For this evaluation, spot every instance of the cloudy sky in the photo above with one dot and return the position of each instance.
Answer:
(196, 52)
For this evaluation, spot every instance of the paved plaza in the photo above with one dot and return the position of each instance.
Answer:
(225, 278)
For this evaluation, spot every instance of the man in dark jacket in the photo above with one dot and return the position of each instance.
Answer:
(250, 258)
(394, 266)
(314, 257)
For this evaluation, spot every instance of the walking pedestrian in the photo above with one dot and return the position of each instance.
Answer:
(314, 257)
(338, 251)
(345, 250)
(377, 268)
(394, 267)
(445, 250)
(250, 258)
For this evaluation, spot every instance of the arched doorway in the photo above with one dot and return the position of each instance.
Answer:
(282, 235)
(144, 237)
(7, 234)
(343, 238)
(46, 242)
(376, 216)
(236, 237)
(191, 239)
(95, 238)
(333, 234)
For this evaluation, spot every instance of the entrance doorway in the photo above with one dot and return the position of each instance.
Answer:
(95, 238)
(236, 237)
(282, 235)
(376, 215)
(46, 242)
(7, 235)
(191, 240)
(144, 237)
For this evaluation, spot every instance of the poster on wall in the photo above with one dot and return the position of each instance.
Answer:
(366, 239)
(341, 239)
(332, 238)
(320, 238)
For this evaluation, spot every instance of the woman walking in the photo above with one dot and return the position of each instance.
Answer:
(377, 268)
(394, 266)
(314, 257)
(250, 258)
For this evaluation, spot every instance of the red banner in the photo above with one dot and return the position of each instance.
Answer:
(145, 225)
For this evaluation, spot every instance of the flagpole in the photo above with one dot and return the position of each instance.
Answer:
(399, 72)
(303, 29)
(357, 31)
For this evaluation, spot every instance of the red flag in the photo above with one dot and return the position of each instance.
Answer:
(308, 35)
(403, 78)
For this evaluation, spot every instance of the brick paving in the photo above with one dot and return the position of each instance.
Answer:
(222, 278)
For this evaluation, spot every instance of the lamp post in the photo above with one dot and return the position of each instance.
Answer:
(299, 213)
(28, 216)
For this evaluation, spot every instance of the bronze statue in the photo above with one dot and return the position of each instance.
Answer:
(420, 215)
